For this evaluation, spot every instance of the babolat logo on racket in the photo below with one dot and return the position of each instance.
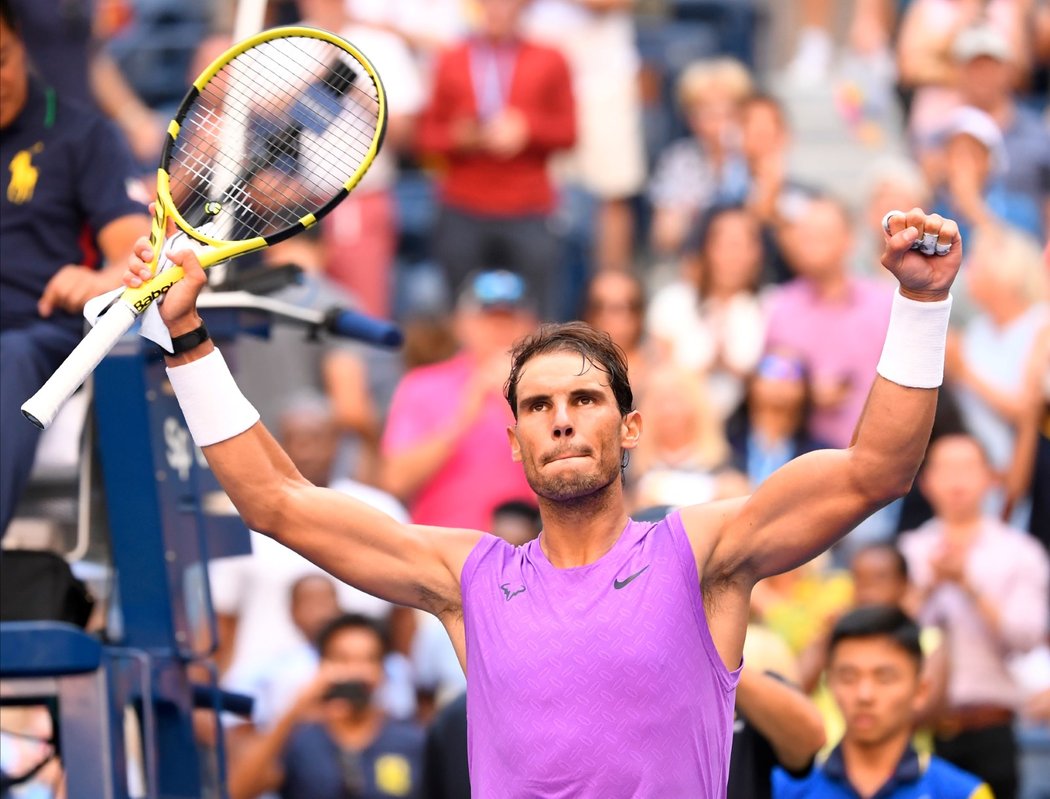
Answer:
(148, 300)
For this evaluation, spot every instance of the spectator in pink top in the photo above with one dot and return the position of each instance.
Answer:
(444, 448)
(832, 319)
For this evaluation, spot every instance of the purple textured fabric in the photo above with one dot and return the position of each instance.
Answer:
(597, 681)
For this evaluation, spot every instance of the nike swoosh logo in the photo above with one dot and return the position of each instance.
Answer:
(618, 584)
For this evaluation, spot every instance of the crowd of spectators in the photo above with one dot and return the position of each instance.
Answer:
(549, 160)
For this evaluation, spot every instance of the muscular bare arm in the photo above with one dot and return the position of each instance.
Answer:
(404, 564)
(814, 500)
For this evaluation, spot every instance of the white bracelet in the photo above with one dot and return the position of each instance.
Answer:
(913, 354)
(214, 407)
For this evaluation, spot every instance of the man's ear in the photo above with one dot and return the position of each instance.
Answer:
(515, 445)
(631, 430)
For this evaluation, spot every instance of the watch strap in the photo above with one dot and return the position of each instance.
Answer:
(187, 341)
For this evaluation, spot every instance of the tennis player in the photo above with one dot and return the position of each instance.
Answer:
(602, 657)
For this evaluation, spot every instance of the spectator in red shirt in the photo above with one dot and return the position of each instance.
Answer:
(499, 108)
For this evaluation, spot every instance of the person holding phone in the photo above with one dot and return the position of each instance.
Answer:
(335, 741)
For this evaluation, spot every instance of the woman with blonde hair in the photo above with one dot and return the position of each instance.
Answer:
(684, 454)
(708, 166)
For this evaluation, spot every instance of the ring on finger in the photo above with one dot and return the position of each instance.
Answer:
(886, 220)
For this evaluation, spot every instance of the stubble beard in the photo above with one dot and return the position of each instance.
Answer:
(575, 488)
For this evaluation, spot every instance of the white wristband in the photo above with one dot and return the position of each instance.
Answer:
(215, 409)
(913, 354)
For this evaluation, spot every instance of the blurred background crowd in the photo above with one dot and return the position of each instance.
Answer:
(704, 180)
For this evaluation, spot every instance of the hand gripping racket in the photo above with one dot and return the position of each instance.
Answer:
(271, 137)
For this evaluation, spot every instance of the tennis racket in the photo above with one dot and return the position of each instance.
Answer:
(270, 138)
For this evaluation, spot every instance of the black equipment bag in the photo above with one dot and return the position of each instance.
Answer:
(39, 586)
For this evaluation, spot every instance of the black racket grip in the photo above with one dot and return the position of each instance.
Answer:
(352, 324)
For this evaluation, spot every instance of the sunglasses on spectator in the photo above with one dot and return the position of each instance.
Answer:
(777, 367)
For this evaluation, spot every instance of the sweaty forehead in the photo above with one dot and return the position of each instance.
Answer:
(554, 371)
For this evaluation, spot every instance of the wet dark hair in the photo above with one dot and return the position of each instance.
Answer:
(594, 346)
(879, 621)
(352, 621)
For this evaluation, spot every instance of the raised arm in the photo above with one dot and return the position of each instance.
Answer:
(405, 564)
(814, 500)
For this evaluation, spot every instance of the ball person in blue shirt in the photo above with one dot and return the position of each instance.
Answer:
(875, 675)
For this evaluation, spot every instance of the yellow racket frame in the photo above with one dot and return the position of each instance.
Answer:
(142, 297)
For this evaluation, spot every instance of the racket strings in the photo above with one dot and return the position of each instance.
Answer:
(273, 136)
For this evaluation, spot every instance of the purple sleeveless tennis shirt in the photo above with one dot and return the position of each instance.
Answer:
(596, 681)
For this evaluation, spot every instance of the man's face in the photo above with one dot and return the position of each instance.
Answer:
(569, 433)
(357, 653)
(14, 79)
(877, 687)
(877, 579)
(956, 478)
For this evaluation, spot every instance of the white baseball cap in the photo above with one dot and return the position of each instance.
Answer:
(980, 40)
(978, 125)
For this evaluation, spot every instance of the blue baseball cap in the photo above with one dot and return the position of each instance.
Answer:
(496, 289)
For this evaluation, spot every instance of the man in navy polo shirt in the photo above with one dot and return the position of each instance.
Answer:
(66, 209)
(875, 674)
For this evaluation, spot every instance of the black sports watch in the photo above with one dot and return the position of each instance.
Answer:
(187, 341)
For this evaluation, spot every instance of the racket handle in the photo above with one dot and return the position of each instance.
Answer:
(352, 324)
(43, 406)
